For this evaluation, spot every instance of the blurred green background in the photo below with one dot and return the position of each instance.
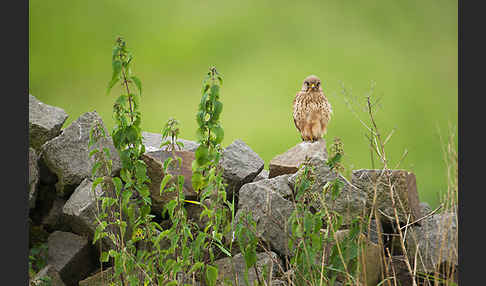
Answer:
(264, 49)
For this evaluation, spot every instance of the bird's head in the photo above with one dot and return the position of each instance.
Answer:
(311, 83)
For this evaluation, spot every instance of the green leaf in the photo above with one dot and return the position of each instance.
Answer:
(126, 194)
(118, 185)
(94, 151)
(96, 182)
(214, 93)
(138, 83)
(111, 84)
(104, 257)
(201, 155)
(218, 108)
(211, 275)
(164, 182)
(117, 67)
(201, 134)
(224, 250)
(95, 168)
(219, 133)
(144, 191)
(196, 267)
(132, 134)
(166, 164)
(197, 181)
(125, 175)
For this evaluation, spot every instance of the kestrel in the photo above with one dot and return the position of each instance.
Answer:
(312, 110)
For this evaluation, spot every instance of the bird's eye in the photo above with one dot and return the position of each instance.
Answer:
(318, 83)
(306, 83)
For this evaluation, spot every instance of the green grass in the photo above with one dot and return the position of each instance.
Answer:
(264, 49)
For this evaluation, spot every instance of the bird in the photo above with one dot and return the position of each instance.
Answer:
(311, 110)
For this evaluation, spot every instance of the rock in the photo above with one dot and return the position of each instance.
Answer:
(373, 231)
(48, 271)
(54, 219)
(155, 161)
(351, 201)
(33, 177)
(99, 278)
(79, 212)
(70, 255)
(241, 165)
(436, 242)
(405, 192)
(226, 273)
(425, 208)
(67, 155)
(398, 267)
(289, 162)
(371, 264)
(152, 142)
(45, 122)
(266, 201)
(263, 175)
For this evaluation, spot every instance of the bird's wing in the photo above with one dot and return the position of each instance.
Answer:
(293, 114)
(296, 125)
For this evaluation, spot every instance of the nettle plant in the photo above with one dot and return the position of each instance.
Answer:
(141, 251)
(207, 179)
(124, 214)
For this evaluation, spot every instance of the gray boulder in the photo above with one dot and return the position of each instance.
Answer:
(404, 192)
(425, 208)
(436, 242)
(351, 201)
(67, 155)
(241, 165)
(263, 175)
(289, 162)
(70, 255)
(33, 177)
(227, 274)
(267, 201)
(45, 122)
(51, 273)
(152, 142)
(79, 211)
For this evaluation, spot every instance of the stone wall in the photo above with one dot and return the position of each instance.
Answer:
(61, 201)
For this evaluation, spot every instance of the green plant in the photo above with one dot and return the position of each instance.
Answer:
(171, 131)
(207, 177)
(125, 208)
(245, 233)
(37, 258)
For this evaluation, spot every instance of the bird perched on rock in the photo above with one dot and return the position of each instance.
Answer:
(312, 110)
